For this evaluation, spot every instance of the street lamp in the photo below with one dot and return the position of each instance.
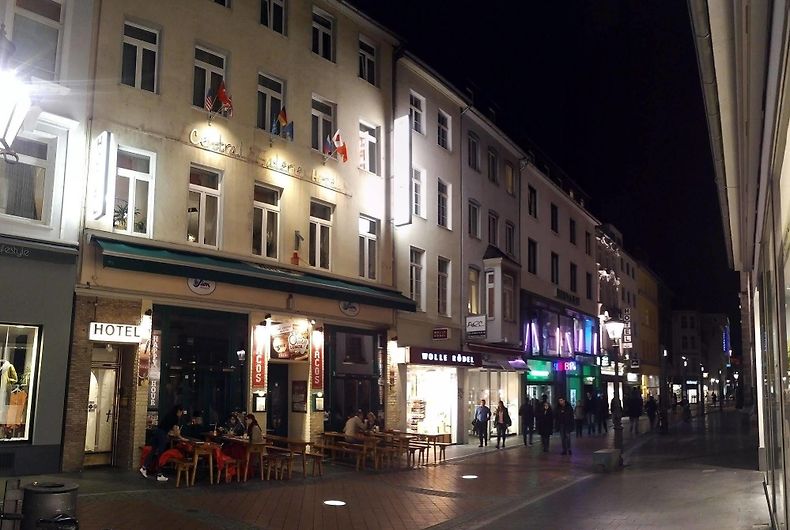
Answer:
(614, 328)
(14, 104)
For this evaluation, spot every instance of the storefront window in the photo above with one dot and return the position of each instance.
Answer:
(428, 408)
(494, 386)
(566, 336)
(584, 334)
(549, 333)
(531, 338)
(17, 371)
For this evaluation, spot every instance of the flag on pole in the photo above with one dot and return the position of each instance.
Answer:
(279, 123)
(282, 118)
(208, 103)
(225, 99)
(288, 131)
(340, 146)
(328, 146)
(276, 126)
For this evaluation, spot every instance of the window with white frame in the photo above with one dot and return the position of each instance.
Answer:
(555, 269)
(417, 193)
(443, 129)
(508, 298)
(532, 256)
(416, 280)
(320, 234)
(134, 186)
(323, 33)
(493, 228)
(271, 100)
(474, 219)
(573, 271)
(322, 124)
(417, 112)
(140, 50)
(368, 148)
(443, 287)
(26, 187)
(493, 166)
(510, 238)
(367, 60)
(510, 179)
(442, 203)
(473, 148)
(203, 207)
(266, 221)
(273, 15)
(209, 72)
(490, 295)
(368, 241)
(36, 37)
(473, 294)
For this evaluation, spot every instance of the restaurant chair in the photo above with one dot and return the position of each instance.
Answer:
(259, 452)
(185, 466)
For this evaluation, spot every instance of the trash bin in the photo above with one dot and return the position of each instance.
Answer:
(44, 501)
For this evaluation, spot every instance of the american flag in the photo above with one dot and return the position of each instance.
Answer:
(208, 103)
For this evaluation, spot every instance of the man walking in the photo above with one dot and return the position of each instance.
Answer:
(482, 415)
(635, 409)
(564, 418)
(544, 419)
(651, 407)
(590, 405)
(527, 414)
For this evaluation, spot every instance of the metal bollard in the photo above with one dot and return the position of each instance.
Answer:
(50, 505)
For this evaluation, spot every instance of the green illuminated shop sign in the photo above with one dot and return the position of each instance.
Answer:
(539, 371)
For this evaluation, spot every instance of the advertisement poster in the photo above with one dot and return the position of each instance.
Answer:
(299, 396)
(290, 342)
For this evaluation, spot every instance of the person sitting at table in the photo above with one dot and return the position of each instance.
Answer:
(254, 431)
(234, 426)
(370, 421)
(167, 428)
(355, 429)
(194, 429)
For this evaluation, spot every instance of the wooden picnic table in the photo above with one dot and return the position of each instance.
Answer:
(293, 445)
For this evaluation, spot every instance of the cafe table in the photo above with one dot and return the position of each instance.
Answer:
(293, 445)
(204, 449)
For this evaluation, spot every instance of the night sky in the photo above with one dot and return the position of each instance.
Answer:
(610, 92)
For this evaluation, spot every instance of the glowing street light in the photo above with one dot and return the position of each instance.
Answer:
(614, 328)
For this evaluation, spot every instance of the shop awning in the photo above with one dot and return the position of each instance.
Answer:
(156, 260)
(500, 362)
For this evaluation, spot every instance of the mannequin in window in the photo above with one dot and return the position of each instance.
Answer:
(8, 379)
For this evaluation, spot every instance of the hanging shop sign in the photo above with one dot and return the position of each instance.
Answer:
(476, 326)
(155, 369)
(317, 360)
(441, 333)
(539, 371)
(627, 342)
(290, 342)
(201, 287)
(566, 366)
(258, 361)
(350, 309)
(444, 357)
(110, 332)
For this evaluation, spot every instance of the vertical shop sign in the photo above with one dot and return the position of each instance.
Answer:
(258, 364)
(317, 360)
(154, 371)
(627, 342)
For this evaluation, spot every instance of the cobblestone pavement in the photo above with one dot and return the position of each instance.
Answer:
(700, 476)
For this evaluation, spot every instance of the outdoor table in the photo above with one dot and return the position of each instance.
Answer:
(204, 449)
(293, 445)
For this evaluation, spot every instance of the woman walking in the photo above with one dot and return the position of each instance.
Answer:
(502, 423)
(544, 419)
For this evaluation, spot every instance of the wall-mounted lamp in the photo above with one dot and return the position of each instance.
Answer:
(298, 239)
(241, 354)
(289, 302)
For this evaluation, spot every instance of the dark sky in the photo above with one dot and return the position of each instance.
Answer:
(610, 92)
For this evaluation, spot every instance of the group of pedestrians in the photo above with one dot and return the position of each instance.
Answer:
(502, 422)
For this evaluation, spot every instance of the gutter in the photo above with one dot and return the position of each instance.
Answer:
(700, 23)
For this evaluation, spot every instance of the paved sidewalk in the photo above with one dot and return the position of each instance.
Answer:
(700, 476)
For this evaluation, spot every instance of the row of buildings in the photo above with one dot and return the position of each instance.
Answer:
(303, 227)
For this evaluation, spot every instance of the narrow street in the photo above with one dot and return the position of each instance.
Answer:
(700, 476)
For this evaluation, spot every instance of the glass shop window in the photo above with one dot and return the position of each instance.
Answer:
(19, 347)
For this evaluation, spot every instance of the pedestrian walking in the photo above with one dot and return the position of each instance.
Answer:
(544, 420)
(527, 414)
(602, 415)
(714, 397)
(564, 420)
(502, 419)
(482, 415)
(578, 418)
(590, 405)
(651, 407)
(635, 409)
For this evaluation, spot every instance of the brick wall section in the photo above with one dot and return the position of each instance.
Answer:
(395, 403)
(87, 310)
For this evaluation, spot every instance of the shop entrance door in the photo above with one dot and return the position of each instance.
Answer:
(277, 415)
(102, 408)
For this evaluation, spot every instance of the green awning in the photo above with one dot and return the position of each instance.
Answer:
(145, 258)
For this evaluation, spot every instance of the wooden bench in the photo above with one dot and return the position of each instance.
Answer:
(356, 450)
(417, 453)
(317, 459)
(442, 447)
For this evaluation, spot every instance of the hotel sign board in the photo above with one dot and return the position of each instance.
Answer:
(109, 332)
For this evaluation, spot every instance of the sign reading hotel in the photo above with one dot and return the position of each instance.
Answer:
(444, 357)
(627, 342)
(108, 332)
